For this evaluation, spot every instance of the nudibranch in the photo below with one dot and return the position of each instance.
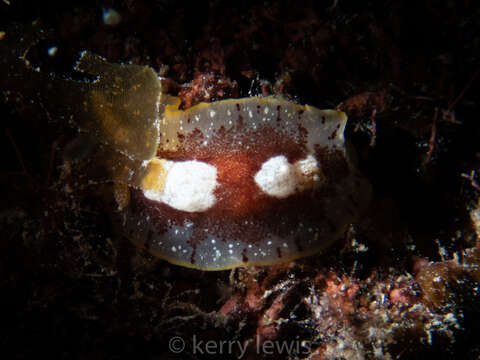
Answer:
(237, 182)
(251, 181)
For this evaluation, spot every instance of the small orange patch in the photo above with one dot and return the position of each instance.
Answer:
(155, 178)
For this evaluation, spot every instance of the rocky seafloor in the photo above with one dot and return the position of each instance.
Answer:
(402, 284)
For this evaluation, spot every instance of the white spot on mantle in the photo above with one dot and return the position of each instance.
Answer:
(189, 186)
(277, 177)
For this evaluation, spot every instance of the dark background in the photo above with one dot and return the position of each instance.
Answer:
(72, 286)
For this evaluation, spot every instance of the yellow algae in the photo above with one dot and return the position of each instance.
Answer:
(118, 105)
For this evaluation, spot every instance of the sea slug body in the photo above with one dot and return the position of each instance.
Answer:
(262, 181)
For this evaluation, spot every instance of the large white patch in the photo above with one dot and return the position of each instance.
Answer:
(189, 186)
